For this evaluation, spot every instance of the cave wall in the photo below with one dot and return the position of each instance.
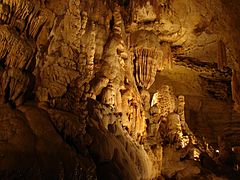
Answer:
(117, 89)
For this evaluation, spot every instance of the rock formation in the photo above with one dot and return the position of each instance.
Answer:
(119, 89)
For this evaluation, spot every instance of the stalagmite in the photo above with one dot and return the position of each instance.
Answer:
(109, 96)
(91, 53)
(165, 100)
(174, 129)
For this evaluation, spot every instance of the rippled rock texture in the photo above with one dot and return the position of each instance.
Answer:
(119, 89)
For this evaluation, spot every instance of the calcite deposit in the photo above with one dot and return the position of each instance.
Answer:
(119, 89)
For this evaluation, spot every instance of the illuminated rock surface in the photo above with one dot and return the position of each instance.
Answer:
(119, 89)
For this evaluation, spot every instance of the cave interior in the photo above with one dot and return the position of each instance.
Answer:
(120, 89)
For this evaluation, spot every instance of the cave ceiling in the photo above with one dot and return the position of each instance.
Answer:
(119, 89)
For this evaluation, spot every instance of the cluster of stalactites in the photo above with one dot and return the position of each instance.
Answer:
(146, 66)
(17, 10)
(20, 8)
(149, 56)
(19, 19)
(24, 15)
(16, 54)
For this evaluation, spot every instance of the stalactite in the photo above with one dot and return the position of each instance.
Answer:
(153, 72)
(180, 108)
(167, 59)
(235, 87)
(5, 12)
(6, 39)
(141, 65)
(133, 120)
(173, 37)
(221, 55)
(37, 23)
(156, 3)
(17, 82)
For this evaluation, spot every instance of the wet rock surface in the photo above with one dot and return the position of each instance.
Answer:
(119, 89)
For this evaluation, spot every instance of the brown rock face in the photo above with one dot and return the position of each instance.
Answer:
(119, 89)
